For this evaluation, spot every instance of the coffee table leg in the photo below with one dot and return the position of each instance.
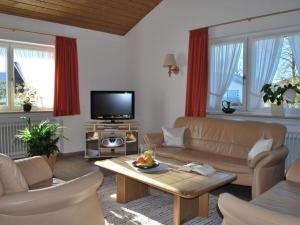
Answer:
(186, 209)
(129, 189)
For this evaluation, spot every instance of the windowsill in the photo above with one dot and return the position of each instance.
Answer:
(14, 114)
(32, 111)
(254, 114)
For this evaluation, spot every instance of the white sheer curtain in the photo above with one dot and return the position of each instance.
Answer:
(294, 42)
(265, 58)
(224, 59)
(37, 70)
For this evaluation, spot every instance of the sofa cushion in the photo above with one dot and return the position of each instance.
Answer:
(228, 164)
(262, 145)
(284, 197)
(228, 137)
(173, 136)
(35, 169)
(11, 177)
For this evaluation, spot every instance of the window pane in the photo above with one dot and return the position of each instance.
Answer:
(226, 74)
(287, 65)
(3, 77)
(34, 73)
(234, 93)
(265, 55)
(287, 71)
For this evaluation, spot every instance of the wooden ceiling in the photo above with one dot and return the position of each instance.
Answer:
(111, 16)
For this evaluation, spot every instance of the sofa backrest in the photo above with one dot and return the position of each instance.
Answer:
(228, 137)
(11, 176)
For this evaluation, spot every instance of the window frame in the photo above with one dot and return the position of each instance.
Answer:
(248, 40)
(11, 45)
(6, 108)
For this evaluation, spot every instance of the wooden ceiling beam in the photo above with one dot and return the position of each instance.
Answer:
(72, 12)
(112, 16)
(114, 7)
(32, 10)
(61, 20)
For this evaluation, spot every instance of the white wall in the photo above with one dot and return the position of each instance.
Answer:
(135, 61)
(161, 99)
(102, 66)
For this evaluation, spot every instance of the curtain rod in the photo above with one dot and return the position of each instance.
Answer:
(32, 32)
(252, 18)
(26, 31)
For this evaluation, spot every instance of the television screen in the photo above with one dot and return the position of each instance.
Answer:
(112, 105)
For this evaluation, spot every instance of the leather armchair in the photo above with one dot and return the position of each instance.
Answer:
(70, 203)
(278, 210)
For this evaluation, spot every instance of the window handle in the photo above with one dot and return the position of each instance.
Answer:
(244, 78)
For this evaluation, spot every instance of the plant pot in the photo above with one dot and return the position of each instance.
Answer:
(51, 160)
(277, 110)
(27, 107)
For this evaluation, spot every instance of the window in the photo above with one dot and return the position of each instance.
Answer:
(273, 58)
(226, 74)
(26, 67)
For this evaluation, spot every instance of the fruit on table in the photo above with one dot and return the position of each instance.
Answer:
(140, 160)
(145, 160)
(148, 152)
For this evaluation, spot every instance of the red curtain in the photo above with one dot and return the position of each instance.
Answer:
(66, 93)
(197, 74)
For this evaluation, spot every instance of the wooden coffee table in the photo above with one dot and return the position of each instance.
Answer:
(190, 190)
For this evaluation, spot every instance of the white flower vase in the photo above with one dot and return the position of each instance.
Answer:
(277, 110)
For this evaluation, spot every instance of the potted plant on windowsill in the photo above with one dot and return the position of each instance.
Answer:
(26, 95)
(41, 139)
(277, 94)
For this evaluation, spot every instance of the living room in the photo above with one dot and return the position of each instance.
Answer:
(133, 61)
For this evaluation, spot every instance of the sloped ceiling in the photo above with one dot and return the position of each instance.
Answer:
(111, 16)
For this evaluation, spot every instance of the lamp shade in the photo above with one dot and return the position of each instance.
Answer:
(169, 60)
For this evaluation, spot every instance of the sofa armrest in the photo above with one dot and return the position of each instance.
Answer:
(34, 169)
(52, 198)
(269, 171)
(253, 162)
(239, 212)
(273, 157)
(293, 172)
(154, 138)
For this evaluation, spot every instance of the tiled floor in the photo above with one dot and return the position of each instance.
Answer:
(72, 166)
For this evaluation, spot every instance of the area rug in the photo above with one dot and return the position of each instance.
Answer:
(155, 209)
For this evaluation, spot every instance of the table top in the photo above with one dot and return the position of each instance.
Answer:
(184, 184)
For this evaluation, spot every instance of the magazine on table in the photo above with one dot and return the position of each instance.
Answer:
(203, 169)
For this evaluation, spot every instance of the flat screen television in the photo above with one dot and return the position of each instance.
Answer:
(112, 105)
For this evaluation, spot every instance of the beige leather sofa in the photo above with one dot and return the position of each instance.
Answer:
(277, 206)
(29, 195)
(225, 145)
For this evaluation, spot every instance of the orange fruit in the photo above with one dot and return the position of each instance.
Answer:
(140, 160)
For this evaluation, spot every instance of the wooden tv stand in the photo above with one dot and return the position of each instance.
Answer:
(100, 131)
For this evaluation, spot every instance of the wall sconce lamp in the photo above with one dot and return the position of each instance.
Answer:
(171, 64)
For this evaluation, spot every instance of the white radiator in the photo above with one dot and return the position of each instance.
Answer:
(292, 141)
(8, 145)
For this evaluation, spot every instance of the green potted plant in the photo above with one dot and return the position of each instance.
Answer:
(41, 139)
(276, 95)
(26, 95)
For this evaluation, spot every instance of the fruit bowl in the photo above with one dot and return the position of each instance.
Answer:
(145, 166)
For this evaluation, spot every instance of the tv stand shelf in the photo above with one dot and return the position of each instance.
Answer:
(105, 139)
